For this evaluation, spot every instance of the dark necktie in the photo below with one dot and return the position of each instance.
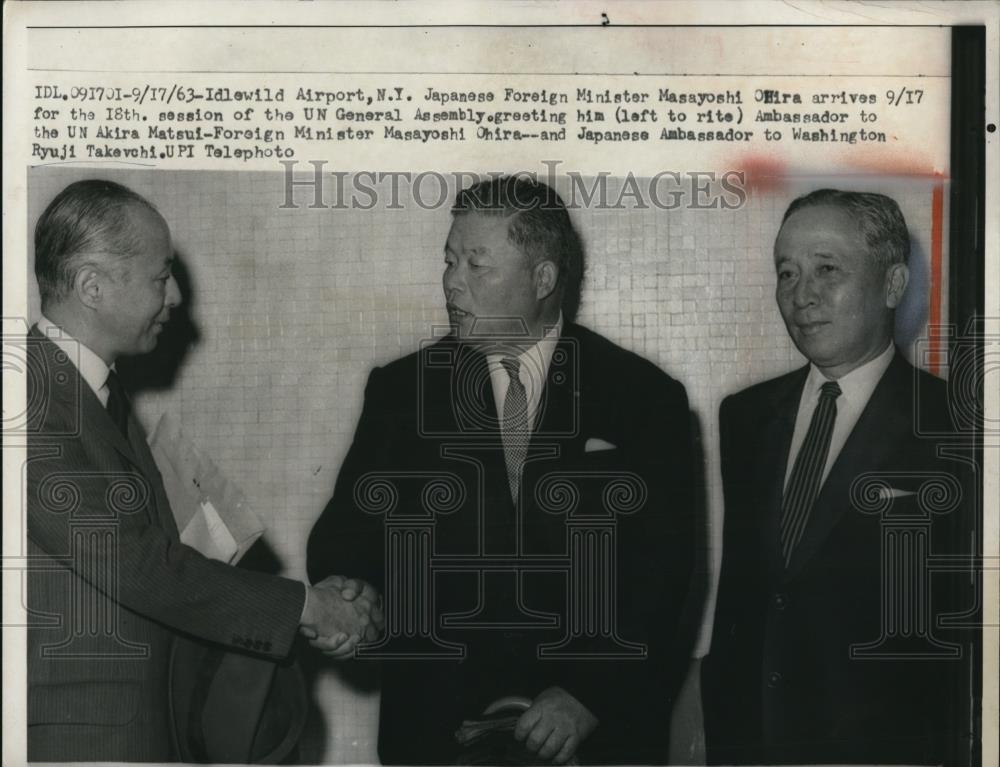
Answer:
(804, 481)
(514, 426)
(118, 406)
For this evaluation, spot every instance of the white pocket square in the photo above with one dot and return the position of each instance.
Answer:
(893, 492)
(595, 445)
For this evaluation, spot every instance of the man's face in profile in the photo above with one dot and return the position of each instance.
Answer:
(488, 282)
(833, 296)
(140, 294)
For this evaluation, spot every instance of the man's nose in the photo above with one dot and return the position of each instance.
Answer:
(454, 281)
(804, 293)
(173, 297)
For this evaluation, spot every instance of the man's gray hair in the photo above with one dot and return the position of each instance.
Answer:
(86, 218)
(879, 218)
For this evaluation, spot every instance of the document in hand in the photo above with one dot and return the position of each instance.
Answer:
(211, 511)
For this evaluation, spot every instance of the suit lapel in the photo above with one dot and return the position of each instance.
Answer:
(557, 416)
(100, 436)
(71, 391)
(555, 434)
(146, 462)
(868, 446)
(101, 430)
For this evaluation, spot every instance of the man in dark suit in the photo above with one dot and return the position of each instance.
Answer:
(110, 585)
(522, 489)
(823, 647)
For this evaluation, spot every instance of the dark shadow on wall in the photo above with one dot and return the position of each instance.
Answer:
(158, 370)
(685, 739)
(261, 558)
(694, 605)
(913, 309)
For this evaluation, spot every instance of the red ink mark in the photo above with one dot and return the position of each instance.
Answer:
(762, 174)
(934, 300)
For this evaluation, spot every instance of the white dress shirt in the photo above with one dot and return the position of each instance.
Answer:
(855, 390)
(92, 368)
(533, 372)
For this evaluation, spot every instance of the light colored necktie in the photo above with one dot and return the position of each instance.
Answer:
(804, 481)
(514, 425)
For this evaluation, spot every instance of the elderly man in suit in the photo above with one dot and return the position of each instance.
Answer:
(110, 584)
(811, 661)
(506, 439)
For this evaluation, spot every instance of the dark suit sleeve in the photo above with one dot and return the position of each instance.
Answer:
(345, 540)
(656, 549)
(715, 678)
(100, 527)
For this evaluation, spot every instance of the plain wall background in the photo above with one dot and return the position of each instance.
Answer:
(292, 308)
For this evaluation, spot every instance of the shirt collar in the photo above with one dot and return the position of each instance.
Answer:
(539, 355)
(92, 368)
(858, 385)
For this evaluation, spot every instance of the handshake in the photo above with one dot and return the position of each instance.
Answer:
(340, 613)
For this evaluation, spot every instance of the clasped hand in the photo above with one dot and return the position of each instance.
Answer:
(555, 725)
(340, 613)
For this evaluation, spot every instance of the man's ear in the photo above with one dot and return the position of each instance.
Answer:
(896, 280)
(546, 279)
(89, 285)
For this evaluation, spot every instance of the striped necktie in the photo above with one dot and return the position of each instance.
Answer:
(514, 425)
(804, 482)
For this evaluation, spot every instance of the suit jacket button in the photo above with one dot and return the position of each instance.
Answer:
(773, 679)
(780, 601)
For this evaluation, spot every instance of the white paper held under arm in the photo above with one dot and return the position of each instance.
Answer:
(210, 510)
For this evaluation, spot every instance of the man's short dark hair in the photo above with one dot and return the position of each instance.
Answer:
(879, 219)
(87, 217)
(538, 224)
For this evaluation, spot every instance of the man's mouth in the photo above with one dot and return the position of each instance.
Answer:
(457, 314)
(811, 328)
